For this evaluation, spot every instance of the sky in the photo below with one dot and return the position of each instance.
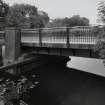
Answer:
(64, 8)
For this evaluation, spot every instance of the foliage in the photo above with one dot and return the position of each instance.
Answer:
(25, 16)
(40, 20)
(75, 20)
(17, 15)
(3, 13)
(101, 12)
(100, 31)
(78, 21)
(3, 9)
(58, 22)
(100, 44)
(44, 17)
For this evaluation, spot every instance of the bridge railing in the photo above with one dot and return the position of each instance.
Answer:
(2, 37)
(82, 35)
(28, 35)
(54, 35)
(61, 35)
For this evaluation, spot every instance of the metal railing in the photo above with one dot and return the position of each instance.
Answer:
(82, 35)
(2, 37)
(64, 35)
(75, 35)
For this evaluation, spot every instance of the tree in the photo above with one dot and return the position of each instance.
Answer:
(3, 13)
(25, 16)
(75, 20)
(44, 17)
(17, 15)
(100, 45)
(40, 20)
(101, 12)
(3, 9)
(58, 22)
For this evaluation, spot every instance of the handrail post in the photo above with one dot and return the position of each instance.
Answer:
(67, 34)
(40, 37)
(1, 56)
(12, 47)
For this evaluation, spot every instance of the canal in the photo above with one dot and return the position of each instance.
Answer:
(75, 84)
(66, 86)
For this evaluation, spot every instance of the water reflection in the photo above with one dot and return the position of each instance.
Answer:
(64, 86)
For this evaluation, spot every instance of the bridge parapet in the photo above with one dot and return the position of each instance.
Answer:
(74, 35)
(64, 36)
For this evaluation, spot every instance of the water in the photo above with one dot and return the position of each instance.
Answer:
(94, 66)
(66, 86)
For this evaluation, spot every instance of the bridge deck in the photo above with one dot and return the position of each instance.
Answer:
(78, 38)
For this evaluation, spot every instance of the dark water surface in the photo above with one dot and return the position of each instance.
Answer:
(66, 86)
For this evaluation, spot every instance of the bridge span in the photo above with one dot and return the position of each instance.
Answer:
(55, 44)
(63, 41)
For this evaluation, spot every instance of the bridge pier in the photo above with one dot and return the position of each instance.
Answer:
(12, 47)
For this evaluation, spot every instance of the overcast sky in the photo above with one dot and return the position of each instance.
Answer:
(64, 8)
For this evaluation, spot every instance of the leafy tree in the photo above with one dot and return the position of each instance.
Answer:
(101, 12)
(100, 45)
(3, 8)
(75, 20)
(3, 13)
(17, 15)
(39, 20)
(25, 16)
(58, 22)
(44, 17)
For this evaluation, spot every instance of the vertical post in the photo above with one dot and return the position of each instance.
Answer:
(67, 33)
(1, 60)
(40, 37)
(12, 46)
